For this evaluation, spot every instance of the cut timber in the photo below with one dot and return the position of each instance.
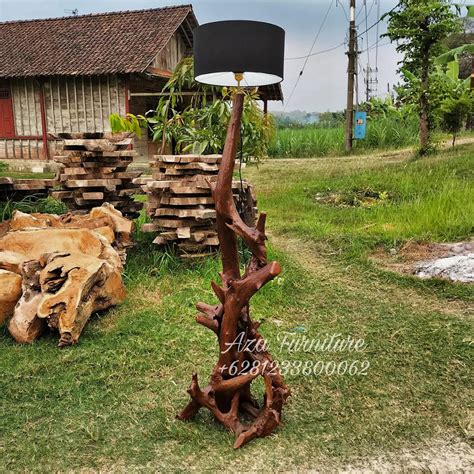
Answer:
(55, 271)
(13, 189)
(186, 159)
(10, 292)
(197, 213)
(95, 171)
(180, 201)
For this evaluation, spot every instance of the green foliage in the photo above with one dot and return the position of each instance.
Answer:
(419, 28)
(3, 166)
(129, 123)
(454, 112)
(32, 204)
(201, 125)
(392, 131)
(454, 54)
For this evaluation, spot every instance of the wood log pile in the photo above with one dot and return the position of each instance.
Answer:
(181, 206)
(55, 271)
(95, 171)
(19, 189)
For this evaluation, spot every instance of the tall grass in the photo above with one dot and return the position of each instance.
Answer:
(30, 204)
(307, 142)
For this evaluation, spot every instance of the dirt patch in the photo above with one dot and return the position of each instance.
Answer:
(449, 261)
(315, 258)
(454, 456)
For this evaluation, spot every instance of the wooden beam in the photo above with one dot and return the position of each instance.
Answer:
(126, 87)
(159, 72)
(189, 42)
(165, 94)
(44, 130)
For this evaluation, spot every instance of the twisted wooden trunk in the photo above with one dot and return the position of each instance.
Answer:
(243, 355)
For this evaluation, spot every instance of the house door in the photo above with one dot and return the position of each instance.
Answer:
(7, 129)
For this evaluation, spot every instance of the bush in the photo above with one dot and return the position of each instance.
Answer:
(3, 166)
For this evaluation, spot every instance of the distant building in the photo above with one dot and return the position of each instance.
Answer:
(69, 74)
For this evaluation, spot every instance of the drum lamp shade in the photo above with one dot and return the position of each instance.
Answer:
(224, 48)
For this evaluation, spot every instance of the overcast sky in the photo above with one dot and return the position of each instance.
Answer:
(322, 86)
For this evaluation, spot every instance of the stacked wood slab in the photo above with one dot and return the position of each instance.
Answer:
(95, 171)
(180, 203)
(19, 189)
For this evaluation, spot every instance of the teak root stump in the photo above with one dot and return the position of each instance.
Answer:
(228, 396)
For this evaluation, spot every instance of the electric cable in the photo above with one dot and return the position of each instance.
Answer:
(310, 51)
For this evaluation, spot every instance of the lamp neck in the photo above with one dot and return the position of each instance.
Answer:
(239, 76)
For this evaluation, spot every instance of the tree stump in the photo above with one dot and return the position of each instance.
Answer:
(243, 356)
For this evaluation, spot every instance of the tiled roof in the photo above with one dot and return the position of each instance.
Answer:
(118, 42)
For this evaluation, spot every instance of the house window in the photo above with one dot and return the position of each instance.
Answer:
(7, 128)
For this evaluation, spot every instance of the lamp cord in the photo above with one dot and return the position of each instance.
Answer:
(241, 190)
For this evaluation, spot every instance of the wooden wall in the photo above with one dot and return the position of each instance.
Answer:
(171, 54)
(82, 104)
(72, 104)
(75, 104)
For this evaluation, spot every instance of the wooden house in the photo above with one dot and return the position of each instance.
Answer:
(69, 74)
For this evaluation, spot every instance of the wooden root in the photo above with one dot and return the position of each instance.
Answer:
(243, 355)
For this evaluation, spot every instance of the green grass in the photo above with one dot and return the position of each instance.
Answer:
(310, 142)
(382, 134)
(109, 403)
(30, 204)
(24, 174)
(429, 199)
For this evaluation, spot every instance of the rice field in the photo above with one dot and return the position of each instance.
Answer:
(315, 141)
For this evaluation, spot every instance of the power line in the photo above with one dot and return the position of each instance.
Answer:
(317, 52)
(379, 20)
(343, 9)
(375, 45)
(377, 34)
(310, 51)
(365, 8)
(367, 36)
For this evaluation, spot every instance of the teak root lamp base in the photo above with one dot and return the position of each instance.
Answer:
(228, 395)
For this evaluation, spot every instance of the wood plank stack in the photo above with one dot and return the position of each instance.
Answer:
(95, 171)
(19, 189)
(180, 203)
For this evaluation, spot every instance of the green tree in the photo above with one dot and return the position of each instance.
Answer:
(454, 112)
(197, 123)
(419, 28)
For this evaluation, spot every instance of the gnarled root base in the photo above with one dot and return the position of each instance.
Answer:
(242, 405)
(243, 356)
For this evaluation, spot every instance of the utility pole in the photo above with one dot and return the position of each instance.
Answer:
(370, 82)
(351, 71)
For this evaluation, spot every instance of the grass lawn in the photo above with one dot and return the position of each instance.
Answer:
(109, 403)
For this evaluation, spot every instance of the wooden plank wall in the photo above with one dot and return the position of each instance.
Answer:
(171, 54)
(21, 149)
(83, 103)
(72, 104)
(26, 106)
(27, 117)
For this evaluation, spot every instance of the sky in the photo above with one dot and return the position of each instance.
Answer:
(322, 86)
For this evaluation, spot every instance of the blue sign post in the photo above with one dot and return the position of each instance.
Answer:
(360, 125)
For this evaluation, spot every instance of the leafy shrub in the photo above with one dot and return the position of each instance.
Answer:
(3, 166)
(129, 123)
(196, 124)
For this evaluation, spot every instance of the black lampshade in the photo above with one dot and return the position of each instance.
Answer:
(253, 48)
